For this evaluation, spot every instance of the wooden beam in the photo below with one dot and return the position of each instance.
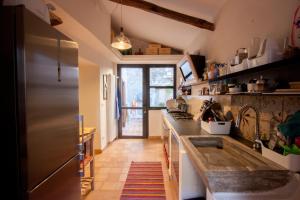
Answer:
(153, 8)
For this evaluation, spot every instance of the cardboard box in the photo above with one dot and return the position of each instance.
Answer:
(151, 51)
(164, 51)
(153, 45)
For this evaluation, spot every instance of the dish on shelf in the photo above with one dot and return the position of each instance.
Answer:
(292, 63)
(235, 89)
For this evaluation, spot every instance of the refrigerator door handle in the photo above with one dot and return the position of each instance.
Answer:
(58, 62)
(59, 73)
(81, 156)
(80, 147)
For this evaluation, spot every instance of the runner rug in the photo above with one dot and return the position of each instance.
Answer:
(144, 181)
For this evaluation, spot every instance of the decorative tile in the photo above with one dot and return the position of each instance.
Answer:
(247, 126)
(268, 127)
(254, 101)
(109, 180)
(236, 104)
(271, 107)
(291, 104)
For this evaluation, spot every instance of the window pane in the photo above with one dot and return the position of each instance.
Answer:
(132, 122)
(162, 76)
(158, 96)
(132, 87)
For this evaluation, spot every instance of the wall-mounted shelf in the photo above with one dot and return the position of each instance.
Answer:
(199, 83)
(146, 59)
(289, 64)
(196, 83)
(245, 94)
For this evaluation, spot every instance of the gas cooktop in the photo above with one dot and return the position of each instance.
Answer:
(181, 115)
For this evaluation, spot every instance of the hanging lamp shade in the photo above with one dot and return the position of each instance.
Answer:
(121, 42)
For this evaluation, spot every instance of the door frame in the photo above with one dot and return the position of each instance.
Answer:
(146, 95)
(145, 103)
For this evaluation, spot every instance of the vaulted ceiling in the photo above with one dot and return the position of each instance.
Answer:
(154, 28)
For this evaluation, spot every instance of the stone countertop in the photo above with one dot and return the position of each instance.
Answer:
(244, 171)
(235, 168)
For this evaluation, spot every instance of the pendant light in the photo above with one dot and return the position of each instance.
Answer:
(121, 42)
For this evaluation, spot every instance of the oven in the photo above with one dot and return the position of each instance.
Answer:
(175, 160)
(166, 140)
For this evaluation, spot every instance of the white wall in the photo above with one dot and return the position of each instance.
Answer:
(240, 21)
(89, 96)
(91, 14)
(93, 37)
(155, 123)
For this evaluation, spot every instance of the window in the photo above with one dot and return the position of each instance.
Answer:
(161, 85)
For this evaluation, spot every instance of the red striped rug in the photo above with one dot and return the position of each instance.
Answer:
(144, 181)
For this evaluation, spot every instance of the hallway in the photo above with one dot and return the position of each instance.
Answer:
(111, 167)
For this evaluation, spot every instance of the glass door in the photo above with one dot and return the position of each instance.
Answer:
(134, 115)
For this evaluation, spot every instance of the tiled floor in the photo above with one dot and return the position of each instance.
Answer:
(111, 167)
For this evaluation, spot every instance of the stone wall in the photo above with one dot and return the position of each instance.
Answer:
(273, 110)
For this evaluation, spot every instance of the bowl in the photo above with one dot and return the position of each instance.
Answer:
(251, 87)
(235, 89)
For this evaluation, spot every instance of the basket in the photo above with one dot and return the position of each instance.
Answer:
(216, 128)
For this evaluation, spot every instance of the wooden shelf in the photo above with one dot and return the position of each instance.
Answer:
(87, 139)
(86, 183)
(146, 59)
(87, 135)
(245, 94)
(199, 83)
(286, 63)
(86, 161)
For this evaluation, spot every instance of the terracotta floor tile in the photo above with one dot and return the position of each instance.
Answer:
(111, 167)
(109, 185)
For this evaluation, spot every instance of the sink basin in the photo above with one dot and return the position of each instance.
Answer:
(223, 162)
(219, 153)
(207, 142)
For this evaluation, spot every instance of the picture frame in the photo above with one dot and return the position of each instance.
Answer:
(105, 86)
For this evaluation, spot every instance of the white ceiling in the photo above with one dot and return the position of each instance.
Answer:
(154, 28)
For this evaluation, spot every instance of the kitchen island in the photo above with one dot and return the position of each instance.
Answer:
(232, 170)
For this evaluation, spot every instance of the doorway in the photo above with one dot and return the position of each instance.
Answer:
(143, 88)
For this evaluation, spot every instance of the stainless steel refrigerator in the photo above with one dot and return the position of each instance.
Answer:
(40, 68)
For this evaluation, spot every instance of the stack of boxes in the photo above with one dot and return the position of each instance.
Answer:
(157, 49)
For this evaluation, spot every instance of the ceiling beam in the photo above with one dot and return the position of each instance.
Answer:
(153, 8)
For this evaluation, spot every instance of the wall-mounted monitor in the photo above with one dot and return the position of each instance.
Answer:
(192, 67)
(186, 70)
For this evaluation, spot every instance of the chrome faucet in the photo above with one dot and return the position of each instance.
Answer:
(239, 118)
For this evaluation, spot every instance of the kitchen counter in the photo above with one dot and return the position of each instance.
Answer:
(184, 127)
(235, 167)
(244, 171)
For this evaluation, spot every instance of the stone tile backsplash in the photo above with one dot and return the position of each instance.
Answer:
(291, 104)
(273, 110)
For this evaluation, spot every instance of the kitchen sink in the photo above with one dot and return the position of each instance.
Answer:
(224, 162)
(214, 142)
(220, 153)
